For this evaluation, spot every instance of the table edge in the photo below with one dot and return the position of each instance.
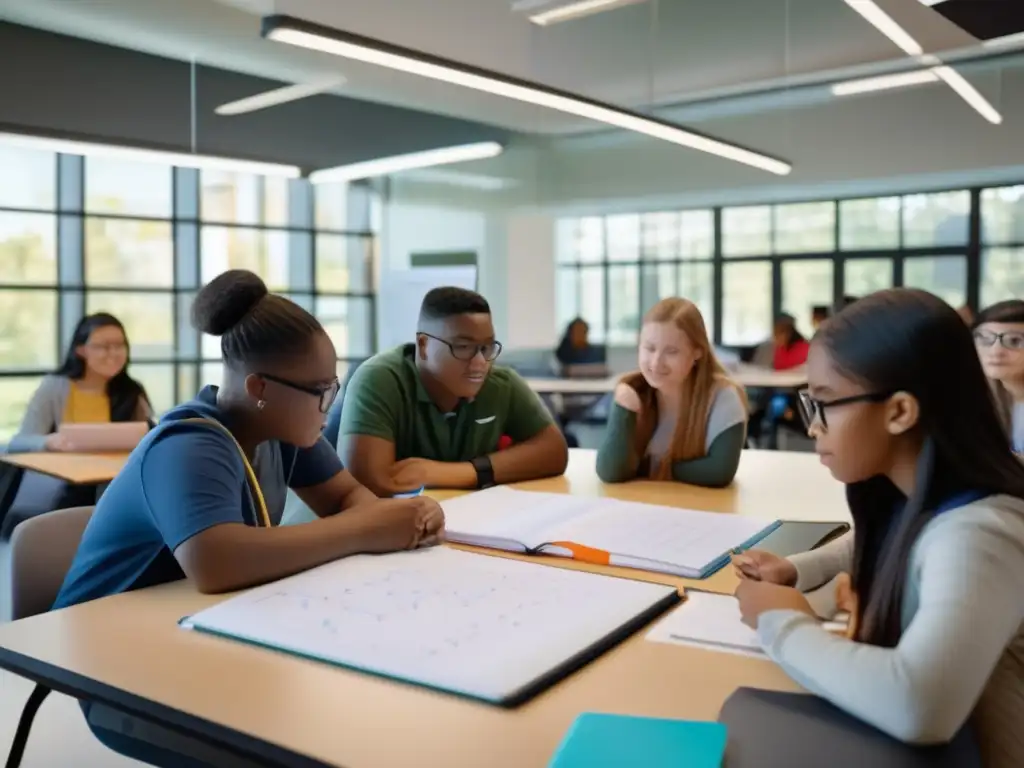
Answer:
(212, 733)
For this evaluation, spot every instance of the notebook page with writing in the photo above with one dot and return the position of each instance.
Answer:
(487, 627)
(505, 518)
(687, 541)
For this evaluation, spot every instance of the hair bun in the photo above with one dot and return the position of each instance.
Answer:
(223, 302)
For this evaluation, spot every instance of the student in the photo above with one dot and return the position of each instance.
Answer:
(202, 495)
(936, 559)
(999, 338)
(790, 346)
(818, 316)
(92, 386)
(575, 348)
(440, 414)
(967, 314)
(679, 417)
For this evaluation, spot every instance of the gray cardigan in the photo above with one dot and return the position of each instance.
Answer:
(46, 411)
(961, 655)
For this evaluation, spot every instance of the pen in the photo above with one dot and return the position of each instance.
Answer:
(410, 494)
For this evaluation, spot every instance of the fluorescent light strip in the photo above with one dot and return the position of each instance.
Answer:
(397, 163)
(275, 97)
(286, 30)
(996, 42)
(885, 24)
(180, 159)
(578, 10)
(884, 82)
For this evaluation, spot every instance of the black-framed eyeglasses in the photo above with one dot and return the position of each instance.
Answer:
(811, 408)
(326, 392)
(1008, 340)
(466, 351)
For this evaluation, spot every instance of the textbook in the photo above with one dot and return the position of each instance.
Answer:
(612, 741)
(682, 542)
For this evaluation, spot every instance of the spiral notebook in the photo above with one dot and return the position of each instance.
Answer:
(682, 542)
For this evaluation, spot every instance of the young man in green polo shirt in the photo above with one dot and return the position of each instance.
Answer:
(440, 414)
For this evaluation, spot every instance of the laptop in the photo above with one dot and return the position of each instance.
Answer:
(114, 437)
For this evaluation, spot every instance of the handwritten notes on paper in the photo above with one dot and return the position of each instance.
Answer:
(473, 624)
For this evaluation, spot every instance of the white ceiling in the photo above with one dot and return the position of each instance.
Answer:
(659, 53)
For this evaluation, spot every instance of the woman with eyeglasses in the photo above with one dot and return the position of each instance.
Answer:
(202, 495)
(999, 337)
(932, 574)
(92, 386)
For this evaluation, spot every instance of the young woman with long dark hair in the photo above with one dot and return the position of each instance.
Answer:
(900, 412)
(92, 385)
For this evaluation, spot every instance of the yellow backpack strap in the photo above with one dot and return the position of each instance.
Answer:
(249, 472)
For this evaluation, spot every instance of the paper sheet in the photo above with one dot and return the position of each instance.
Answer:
(708, 621)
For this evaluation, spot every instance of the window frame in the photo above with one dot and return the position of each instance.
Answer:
(899, 256)
(72, 289)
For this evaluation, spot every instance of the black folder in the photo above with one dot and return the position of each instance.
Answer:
(770, 729)
(794, 536)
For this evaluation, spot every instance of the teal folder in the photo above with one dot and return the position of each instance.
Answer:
(621, 741)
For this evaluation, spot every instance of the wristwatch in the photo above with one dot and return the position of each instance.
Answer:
(484, 472)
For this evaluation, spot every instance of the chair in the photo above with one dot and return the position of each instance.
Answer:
(41, 551)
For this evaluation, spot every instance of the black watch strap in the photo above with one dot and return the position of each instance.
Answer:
(484, 472)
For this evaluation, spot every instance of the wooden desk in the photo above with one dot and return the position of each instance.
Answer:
(76, 468)
(127, 650)
(747, 375)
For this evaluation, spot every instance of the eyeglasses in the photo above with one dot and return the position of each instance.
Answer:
(327, 393)
(1009, 340)
(465, 351)
(811, 408)
(108, 349)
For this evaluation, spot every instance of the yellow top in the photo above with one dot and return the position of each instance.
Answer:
(86, 407)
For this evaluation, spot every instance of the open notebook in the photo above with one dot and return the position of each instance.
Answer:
(683, 542)
(490, 628)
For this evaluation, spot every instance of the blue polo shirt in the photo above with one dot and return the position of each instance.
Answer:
(182, 479)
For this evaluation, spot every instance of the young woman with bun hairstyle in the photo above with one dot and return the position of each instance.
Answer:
(202, 495)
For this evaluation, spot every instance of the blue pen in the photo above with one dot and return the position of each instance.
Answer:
(410, 494)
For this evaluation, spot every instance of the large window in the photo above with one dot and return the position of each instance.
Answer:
(612, 270)
(965, 246)
(138, 240)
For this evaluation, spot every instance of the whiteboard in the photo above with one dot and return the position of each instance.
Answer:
(486, 627)
(401, 294)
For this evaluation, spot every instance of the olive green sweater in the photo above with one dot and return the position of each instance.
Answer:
(618, 459)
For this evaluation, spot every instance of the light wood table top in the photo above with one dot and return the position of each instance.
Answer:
(747, 375)
(129, 651)
(76, 468)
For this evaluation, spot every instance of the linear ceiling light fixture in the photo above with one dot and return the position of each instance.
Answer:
(385, 166)
(286, 29)
(884, 82)
(545, 12)
(276, 96)
(885, 24)
(179, 159)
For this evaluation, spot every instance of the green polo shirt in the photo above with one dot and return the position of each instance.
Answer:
(385, 398)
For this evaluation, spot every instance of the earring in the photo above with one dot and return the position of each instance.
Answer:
(261, 404)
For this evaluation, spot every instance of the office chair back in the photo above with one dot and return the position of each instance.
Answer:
(42, 549)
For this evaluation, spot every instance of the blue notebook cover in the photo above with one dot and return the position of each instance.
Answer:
(621, 741)
(720, 562)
